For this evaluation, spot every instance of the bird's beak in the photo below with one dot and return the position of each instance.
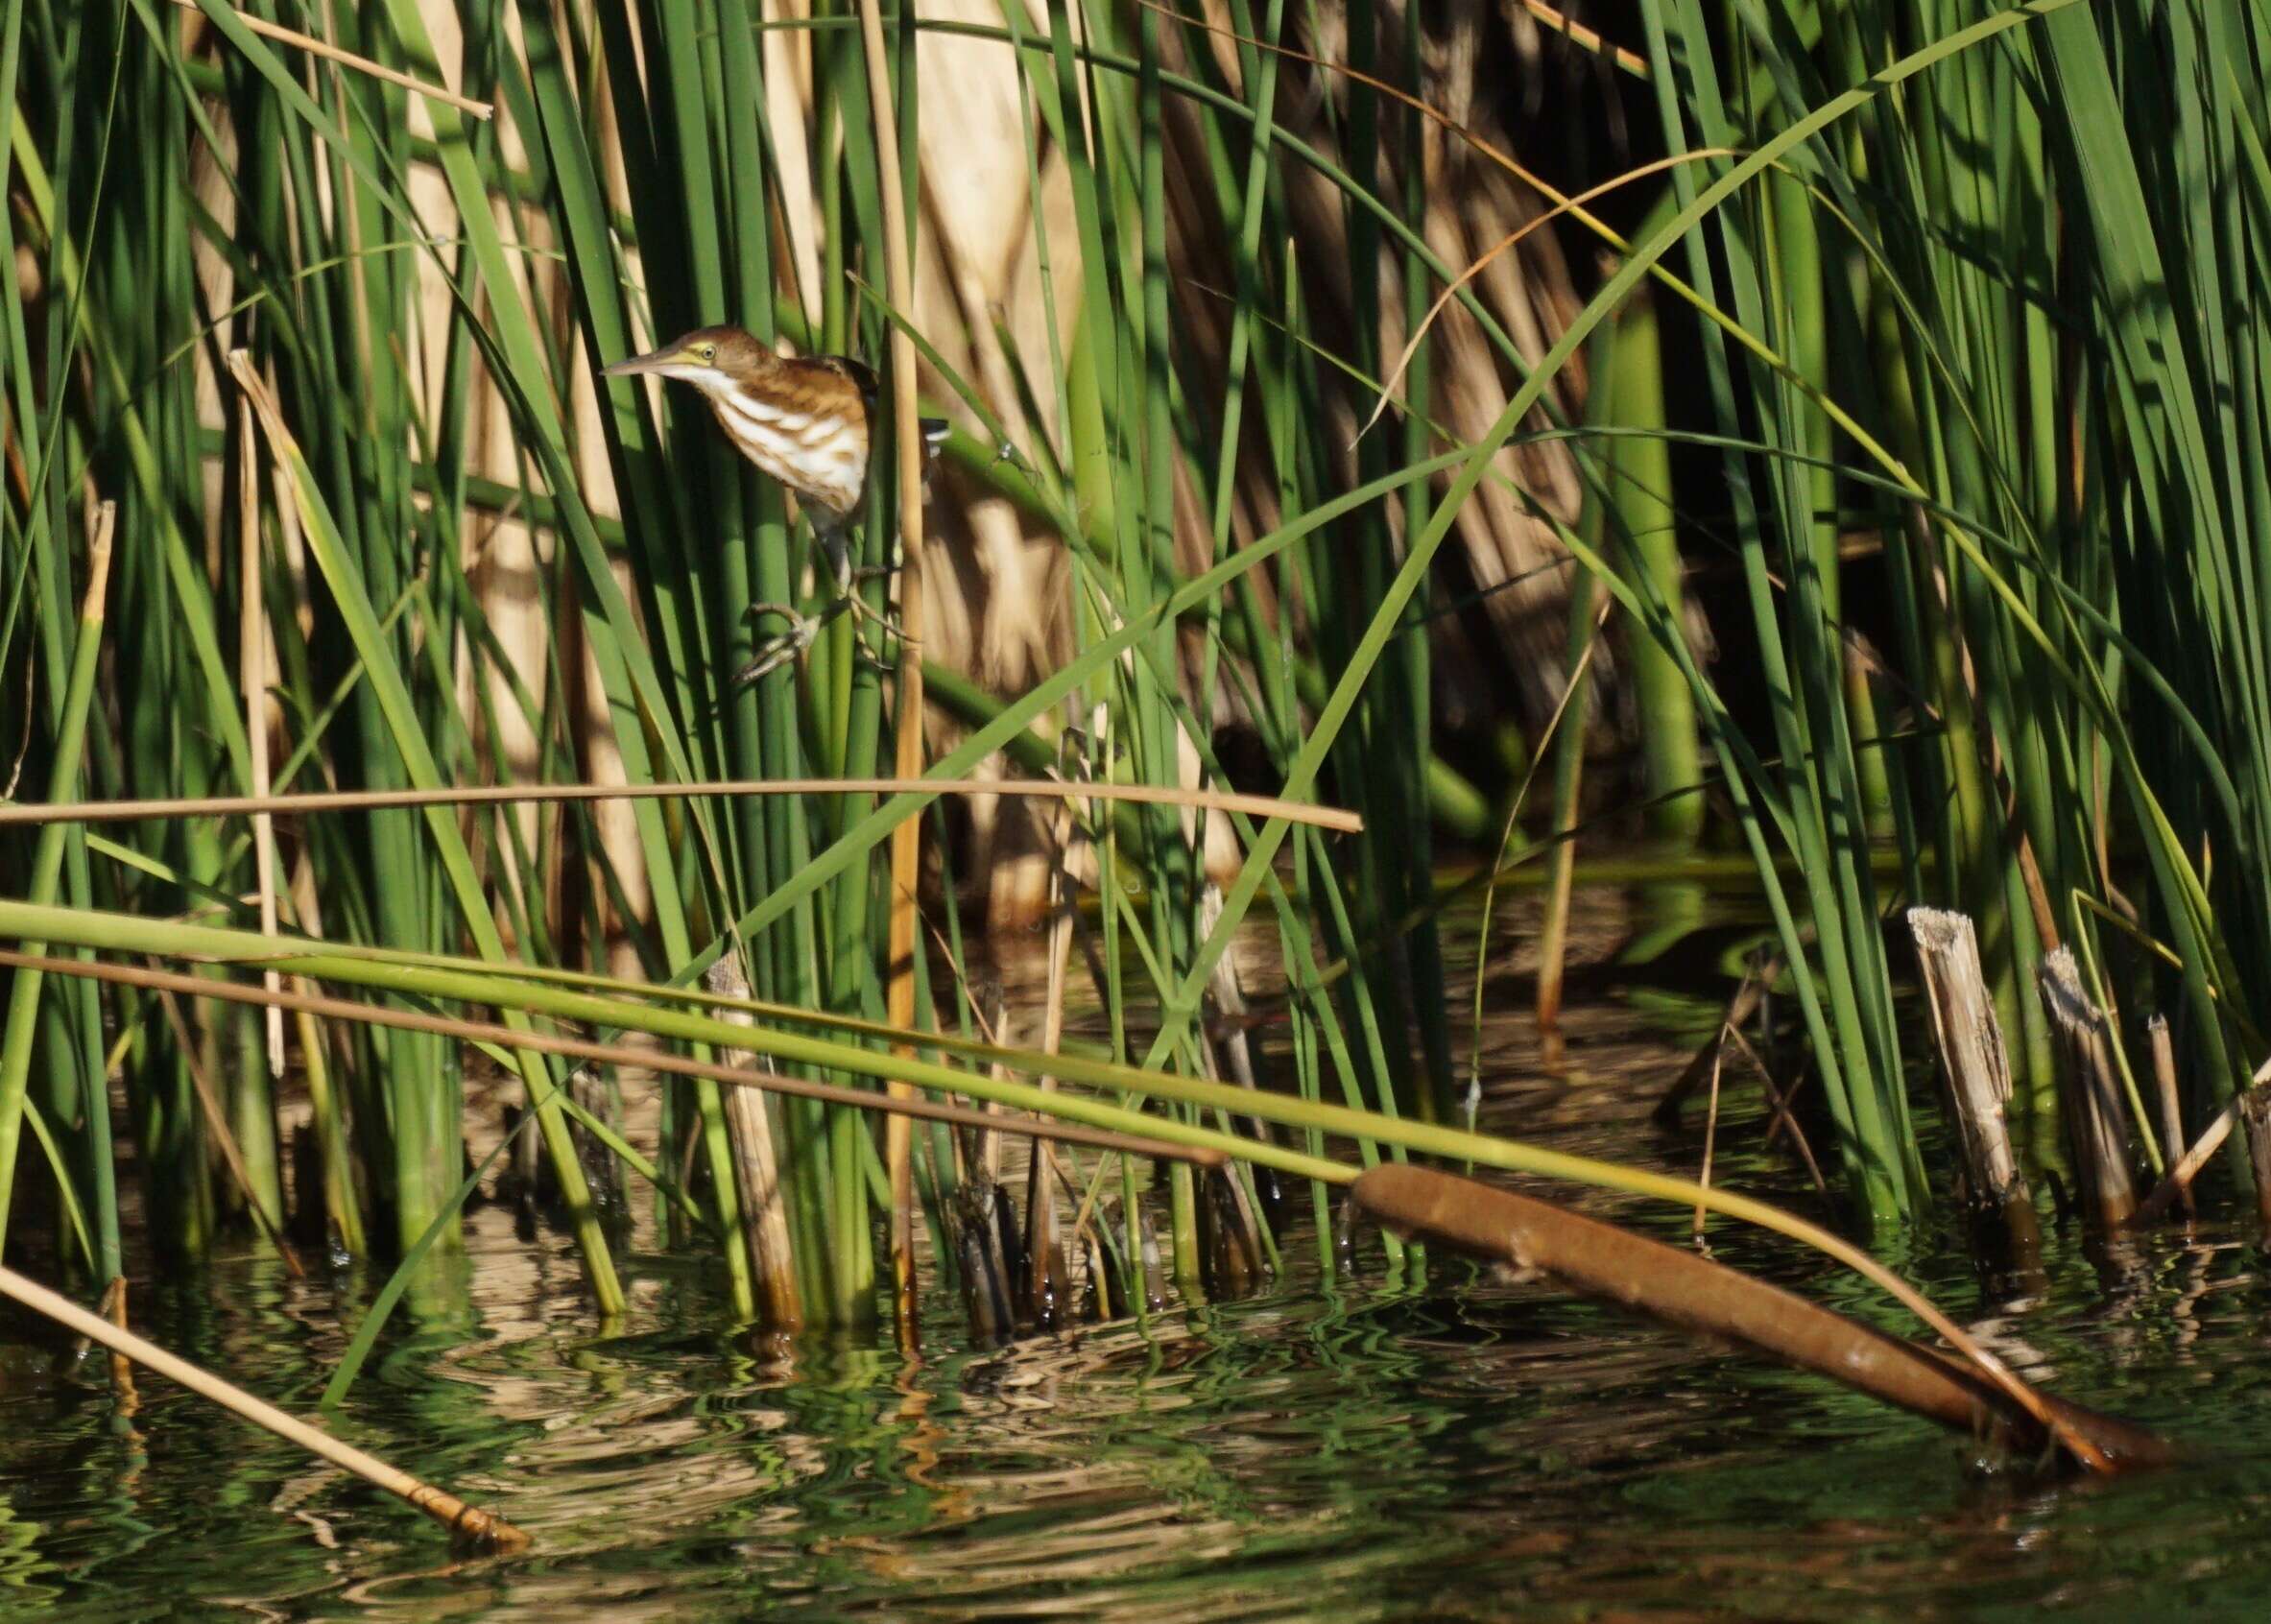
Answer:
(666, 362)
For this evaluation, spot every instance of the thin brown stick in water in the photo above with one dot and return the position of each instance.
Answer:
(1710, 1131)
(122, 1369)
(1740, 1008)
(315, 47)
(468, 1522)
(1550, 951)
(617, 1055)
(1778, 1102)
(490, 794)
(2204, 1148)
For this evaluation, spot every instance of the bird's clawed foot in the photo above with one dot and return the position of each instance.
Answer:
(803, 630)
(861, 607)
(778, 650)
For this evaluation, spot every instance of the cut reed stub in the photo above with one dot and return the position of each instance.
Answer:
(984, 1235)
(2090, 1093)
(1229, 1236)
(1977, 1070)
(1680, 1288)
(764, 1197)
(2255, 1115)
(2172, 1109)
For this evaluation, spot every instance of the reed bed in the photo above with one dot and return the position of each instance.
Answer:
(314, 488)
(2001, 320)
(335, 283)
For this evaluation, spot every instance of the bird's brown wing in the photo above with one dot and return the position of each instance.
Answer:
(862, 375)
(871, 388)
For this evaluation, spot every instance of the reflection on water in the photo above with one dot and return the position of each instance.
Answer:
(1440, 1445)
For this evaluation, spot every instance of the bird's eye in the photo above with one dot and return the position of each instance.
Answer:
(708, 352)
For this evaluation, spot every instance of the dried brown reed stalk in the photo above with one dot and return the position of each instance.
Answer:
(2178, 1182)
(1606, 1261)
(1577, 33)
(315, 47)
(469, 1522)
(610, 1054)
(490, 794)
(906, 839)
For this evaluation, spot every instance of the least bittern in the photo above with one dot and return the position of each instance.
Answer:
(806, 420)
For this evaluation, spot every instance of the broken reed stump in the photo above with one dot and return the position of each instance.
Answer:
(2090, 1094)
(1977, 1070)
(764, 1204)
(2255, 1115)
(2172, 1111)
(1603, 1260)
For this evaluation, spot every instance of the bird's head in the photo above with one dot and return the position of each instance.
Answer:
(709, 358)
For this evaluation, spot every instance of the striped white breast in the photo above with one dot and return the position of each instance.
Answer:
(821, 456)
